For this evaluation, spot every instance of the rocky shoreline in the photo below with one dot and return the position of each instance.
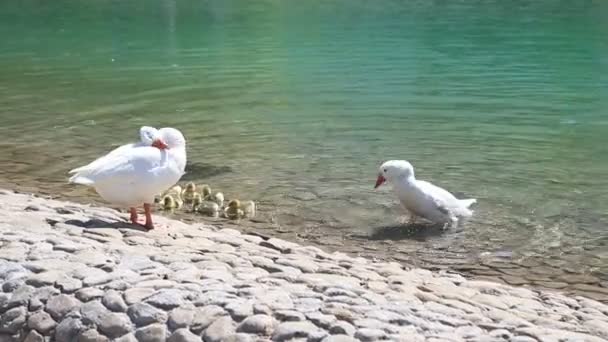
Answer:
(71, 272)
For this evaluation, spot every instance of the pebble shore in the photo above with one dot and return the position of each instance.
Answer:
(71, 272)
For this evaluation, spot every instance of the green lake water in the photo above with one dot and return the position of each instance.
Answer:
(295, 103)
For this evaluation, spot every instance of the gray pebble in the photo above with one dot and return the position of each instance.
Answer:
(115, 324)
(58, 306)
(91, 335)
(321, 320)
(257, 324)
(289, 316)
(44, 278)
(183, 335)
(89, 293)
(92, 312)
(289, 330)
(143, 314)
(137, 294)
(152, 333)
(114, 302)
(32, 336)
(35, 304)
(180, 318)
(339, 338)
(166, 299)
(366, 334)
(239, 310)
(68, 285)
(204, 316)
(262, 309)
(342, 328)
(13, 320)
(41, 321)
(219, 330)
(20, 296)
(68, 329)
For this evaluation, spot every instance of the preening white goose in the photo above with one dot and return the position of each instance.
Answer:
(132, 174)
(422, 198)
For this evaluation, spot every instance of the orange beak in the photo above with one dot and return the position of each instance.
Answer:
(379, 181)
(159, 144)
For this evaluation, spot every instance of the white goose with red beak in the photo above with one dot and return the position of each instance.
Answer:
(132, 174)
(421, 198)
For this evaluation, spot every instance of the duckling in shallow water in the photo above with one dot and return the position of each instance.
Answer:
(188, 193)
(196, 201)
(248, 208)
(170, 203)
(233, 210)
(205, 191)
(209, 208)
(218, 198)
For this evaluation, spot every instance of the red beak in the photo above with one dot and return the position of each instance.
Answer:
(159, 144)
(380, 181)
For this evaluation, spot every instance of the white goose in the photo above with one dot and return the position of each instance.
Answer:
(422, 198)
(133, 174)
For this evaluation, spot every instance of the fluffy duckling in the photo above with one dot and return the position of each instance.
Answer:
(170, 203)
(233, 210)
(209, 208)
(248, 208)
(205, 191)
(218, 198)
(188, 192)
(197, 199)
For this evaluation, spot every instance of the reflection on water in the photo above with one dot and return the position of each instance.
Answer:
(295, 104)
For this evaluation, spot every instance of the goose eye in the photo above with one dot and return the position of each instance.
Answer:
(384, 170)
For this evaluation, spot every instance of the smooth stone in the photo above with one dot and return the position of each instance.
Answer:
(91, 335)
(13, 320)
(166, 299)
(35, 304)
(339, 338)
(89, 293)
(44, 278)
(180, 318)
(68, 285)
(342, 328)
(144, 314)
(289, 316)
(115, 324)
(41, 321)
(204, 316)
(219, 330)
(20, 295)
(68, 329)
(366, 334)
(257, 324)
(137, 294)
(321, 320)
(183, 335)
(58, 306)
(92, 312)
(289, 330)
(32, 336)
(239, 310)
(152, 333)
(114, 302)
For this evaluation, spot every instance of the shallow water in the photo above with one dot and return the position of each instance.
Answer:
(295, 104)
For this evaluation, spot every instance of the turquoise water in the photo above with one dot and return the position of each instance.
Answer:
(294, 104)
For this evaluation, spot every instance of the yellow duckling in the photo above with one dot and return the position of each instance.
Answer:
(233, 210)
(169, 203)
(248, 208)
(218, 198)
(209, 208)
(206, 191)
(197, 199)
(188, 193)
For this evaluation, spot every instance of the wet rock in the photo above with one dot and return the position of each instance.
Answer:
(41, 321)
(257, 324)
(58, 306)
(114, 302)
(219, 330)
(152, 333)
(289, 330)
(143, 314)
